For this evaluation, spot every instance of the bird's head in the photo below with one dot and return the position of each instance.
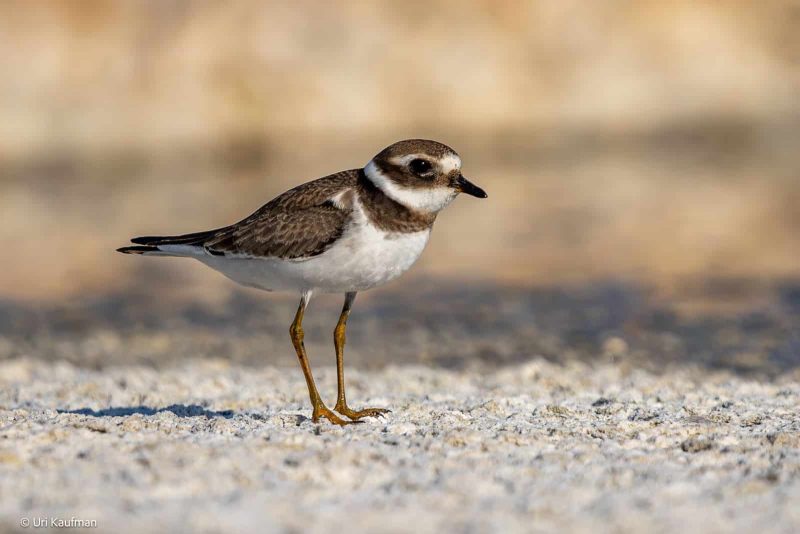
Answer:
(421, 175)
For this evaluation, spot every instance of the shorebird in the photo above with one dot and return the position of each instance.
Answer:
(344, 233)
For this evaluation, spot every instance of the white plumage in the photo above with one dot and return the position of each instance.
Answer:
(364, 257)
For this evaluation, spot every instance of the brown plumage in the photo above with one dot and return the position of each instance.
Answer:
(301, 223)
(387, 214)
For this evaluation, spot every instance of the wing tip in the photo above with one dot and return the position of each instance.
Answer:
(196, 238)
(146, 240)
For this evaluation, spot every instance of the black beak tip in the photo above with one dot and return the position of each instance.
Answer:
(465, 186)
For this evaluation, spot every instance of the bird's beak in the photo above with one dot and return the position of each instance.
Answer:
(465, 186)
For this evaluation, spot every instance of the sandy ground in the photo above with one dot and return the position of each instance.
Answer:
(594, 409)
(211, 446)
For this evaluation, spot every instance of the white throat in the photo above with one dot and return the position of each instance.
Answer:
(419, 199)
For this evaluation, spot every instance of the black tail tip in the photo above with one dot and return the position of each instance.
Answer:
(137, 249)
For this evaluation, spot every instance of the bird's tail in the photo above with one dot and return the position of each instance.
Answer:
(173, 245)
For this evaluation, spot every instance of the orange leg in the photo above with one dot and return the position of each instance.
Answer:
(338, 341)
(296, 332)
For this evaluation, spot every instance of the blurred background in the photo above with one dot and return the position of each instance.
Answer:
(642, 161)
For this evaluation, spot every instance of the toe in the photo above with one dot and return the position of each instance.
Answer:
(366, 412)
(333, 418)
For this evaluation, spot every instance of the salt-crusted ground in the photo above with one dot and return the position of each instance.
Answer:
(208, 445)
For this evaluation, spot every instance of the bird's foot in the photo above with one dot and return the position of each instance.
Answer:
(320, 410)
(357, 415)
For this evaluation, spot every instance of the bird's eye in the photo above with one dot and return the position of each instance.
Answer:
(420, 167)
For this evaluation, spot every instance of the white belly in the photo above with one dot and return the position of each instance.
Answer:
(364, 257)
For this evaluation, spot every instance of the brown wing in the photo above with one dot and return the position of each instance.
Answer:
(300, 223)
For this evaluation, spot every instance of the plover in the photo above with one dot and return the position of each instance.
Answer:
(343, 233)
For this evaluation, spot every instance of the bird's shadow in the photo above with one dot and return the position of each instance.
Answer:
(181, 410)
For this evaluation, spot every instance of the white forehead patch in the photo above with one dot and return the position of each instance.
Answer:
(429, 199)
(450, 163)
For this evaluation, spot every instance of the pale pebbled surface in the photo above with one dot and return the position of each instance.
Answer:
(212, 446)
